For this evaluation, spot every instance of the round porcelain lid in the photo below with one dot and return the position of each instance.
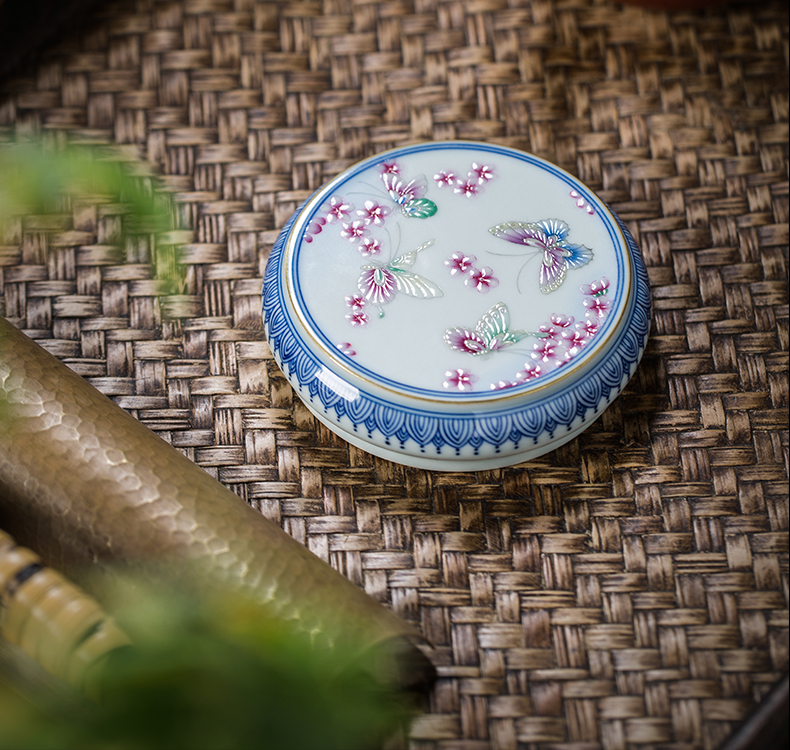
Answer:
(456, 271)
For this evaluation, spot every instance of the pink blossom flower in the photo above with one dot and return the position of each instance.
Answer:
(554, 329)
(530, 372)
(354, 230)
(574, 342)
(596, 288)
(459, 264)
(346, 348)
(482, 173)
(545, 350)
(369, 246)
(481, 279)
(314, 227)
(355, 302)
(373, 213)
(588, 327)
(575, 337)
(390, 167)
(460, 379)
(554, 353)
(358, 319)
(469, 188)
(597, 306)
(581, 203)
(563, 321)
(444, 178)
(337, 209)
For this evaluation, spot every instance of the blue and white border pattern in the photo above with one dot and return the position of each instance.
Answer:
(371, 414)
(433, 430)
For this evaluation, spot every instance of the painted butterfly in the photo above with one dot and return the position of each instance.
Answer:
(409, 195)
(380, 282)
(491, 333)
(550, 238)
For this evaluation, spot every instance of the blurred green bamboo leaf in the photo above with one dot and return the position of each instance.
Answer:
(210, 673)
(39, 181)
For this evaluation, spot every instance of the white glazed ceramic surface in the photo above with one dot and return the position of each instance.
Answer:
(456, 306)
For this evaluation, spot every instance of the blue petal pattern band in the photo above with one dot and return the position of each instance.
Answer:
(434, 431)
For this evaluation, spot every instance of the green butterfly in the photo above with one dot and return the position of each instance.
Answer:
(491, 333)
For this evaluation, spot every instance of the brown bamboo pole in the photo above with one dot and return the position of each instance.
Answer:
(83, 483)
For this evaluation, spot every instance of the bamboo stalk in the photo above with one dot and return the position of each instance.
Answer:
(52, 620)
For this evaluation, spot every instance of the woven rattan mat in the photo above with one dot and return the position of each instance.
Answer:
(628, 589)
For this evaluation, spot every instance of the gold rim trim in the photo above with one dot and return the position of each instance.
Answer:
(503, 395)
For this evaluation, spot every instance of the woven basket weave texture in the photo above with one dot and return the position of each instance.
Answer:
(628, 590)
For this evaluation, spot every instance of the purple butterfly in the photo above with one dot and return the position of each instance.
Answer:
(550, 238)
(409, 195)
